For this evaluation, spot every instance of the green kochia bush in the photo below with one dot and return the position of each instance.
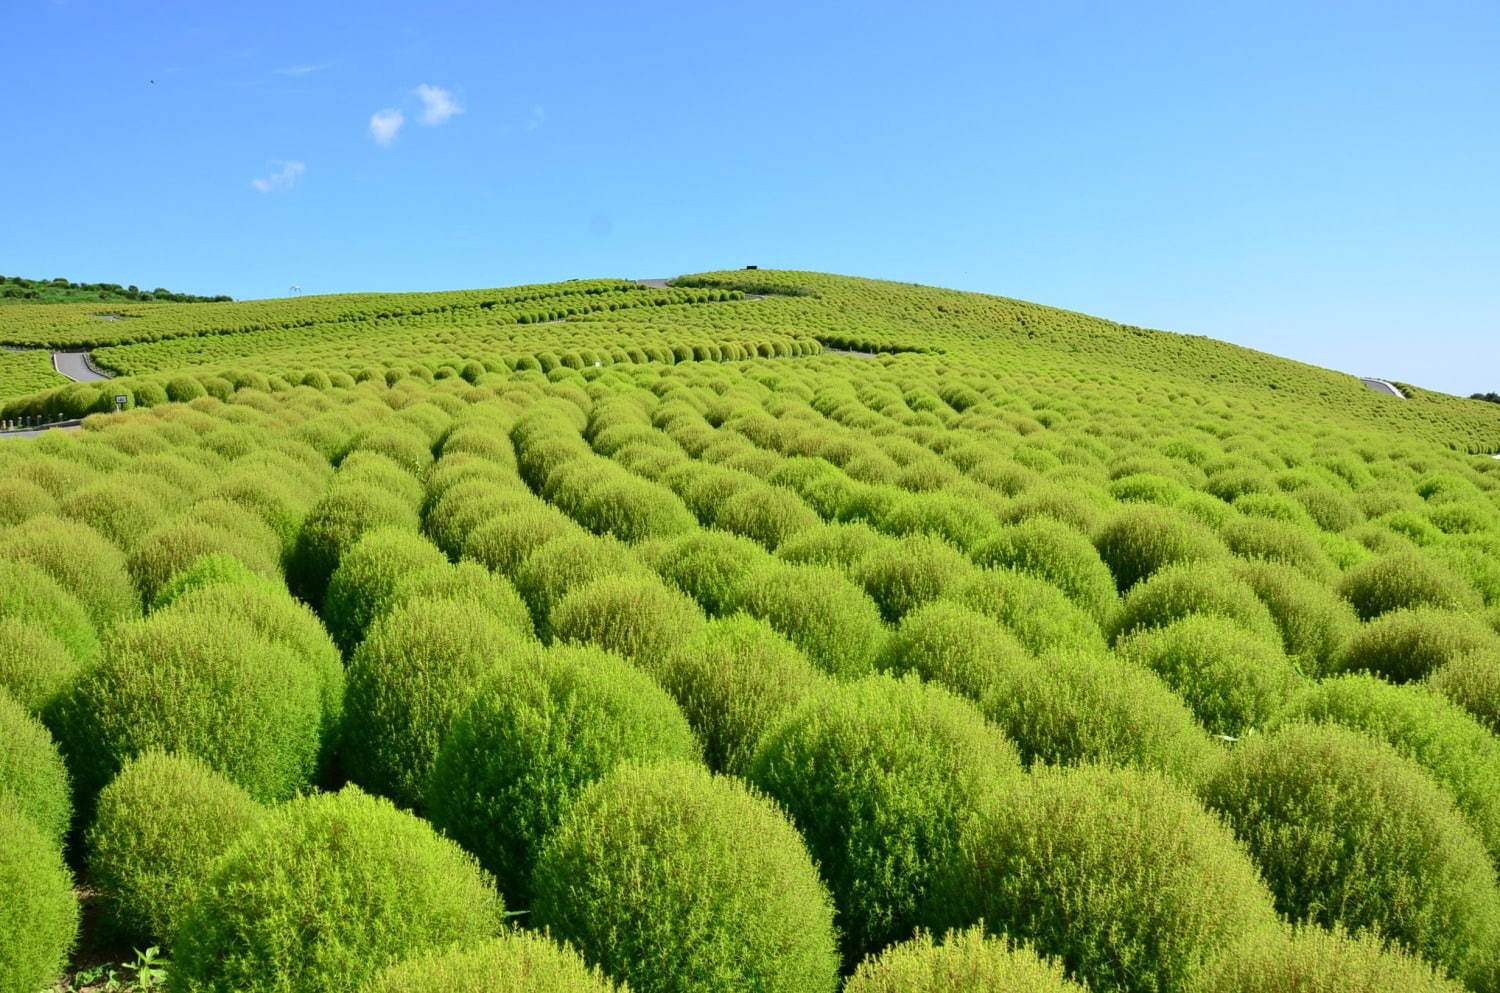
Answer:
(1409, 642)
(966, 960)
(566, 562)
(1194, 588)
(29, 594)
(367, 578)
(1058, 554)
(325, 890)
(733, 681)
(1234, 682)
(83, 562)
(159, 827)
(1312, 959)
(706, 565)
(531, 739)
(831, 620)
(35, 668)
(33, 778)
(1473, 682)
(517, 962)
(677, 881)
(1140, 540)
(409, 678)
(1068, 708)
(907, 573)
(1421, 724)
(635, 615)
(1315, 622)
(1405, 579)
(211, 686)
(879, 775)
(334, 524)
(1347, 831)
(1119, 873)
(38, 911)
(1038, 613)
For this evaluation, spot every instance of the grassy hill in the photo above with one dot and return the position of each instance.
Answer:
(739, 632)
(20, 290)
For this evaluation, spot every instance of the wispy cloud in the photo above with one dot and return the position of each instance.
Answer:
(384, 124)
(300, 70)
(437, 104)
(283, 179)
(537, 119)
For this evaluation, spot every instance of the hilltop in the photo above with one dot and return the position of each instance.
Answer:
(18, 289)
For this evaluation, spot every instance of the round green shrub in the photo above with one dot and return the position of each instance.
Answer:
(1194, 588)
(504, 541)
(175, 545)
(904, 574)
(1404, 579)
(158, 828)
(1117, 872)
(38, 911)
(118, 509)
(677, 881)
(1407, 643)
(29, 594)
(1421, 724)
(546, 576)
(1348, 831)
(517, 962)
(733, 680)
(1332, 510)
(1315, 622)
(1313, 959)
(335, 523)
(82, 561)
(35, 668)
(530, 740)
(21, 500)
(210, 570)
(1473, 682)
(367, 578)
(1277, 541)
(1066, 709)
(966, 960)
(635, 615)
(411, 676)
(1034, 610)
(32, 775)
(1057, 554)
(879, 775)
(206, 685)
(834, 622)
(838, 545)
(1234, 682)
(325, 890)
(1142, 539)
(707, 565)
(768, 515)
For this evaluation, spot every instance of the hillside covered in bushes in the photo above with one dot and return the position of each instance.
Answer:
(767, 631)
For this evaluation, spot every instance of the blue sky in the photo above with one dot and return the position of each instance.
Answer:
(1321, 181)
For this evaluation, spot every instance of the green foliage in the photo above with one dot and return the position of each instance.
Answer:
(561, 565)
(1234, 682)
(707, 565)
(33, 779)
(1473, 682)
(1404, 579)
(35, 668)
(965, 960)
(1038, 613)
(1118, 873)
(676, 881)
(325, 890)
(334, 525)
(905, 574)
(38, 911)
(1408, 643)
(157, 831)
(1312, 959)
(1194, 588)
(82, 561)
(879, 776)
(517, 962)
(832, 621)
(1315, 622)
(31, 595)
(1141, 540)
(1347, 831)
(531, 739)
(733, 680)
(1059, 555)
(634, 615)
(411, 676)
(210, 686)
(368, 577)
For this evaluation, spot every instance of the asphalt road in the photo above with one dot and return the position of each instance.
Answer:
(75, 366)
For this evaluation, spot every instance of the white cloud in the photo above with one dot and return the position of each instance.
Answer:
(437, 104)
(384, 124)
(282, 180)
(300, 70)
(537, 119)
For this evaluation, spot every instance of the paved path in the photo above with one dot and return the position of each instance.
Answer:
(660, 284)
(1381, 386)
(76, 366)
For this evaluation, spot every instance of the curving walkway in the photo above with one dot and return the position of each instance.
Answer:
(1381, 386)
(77, 366)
